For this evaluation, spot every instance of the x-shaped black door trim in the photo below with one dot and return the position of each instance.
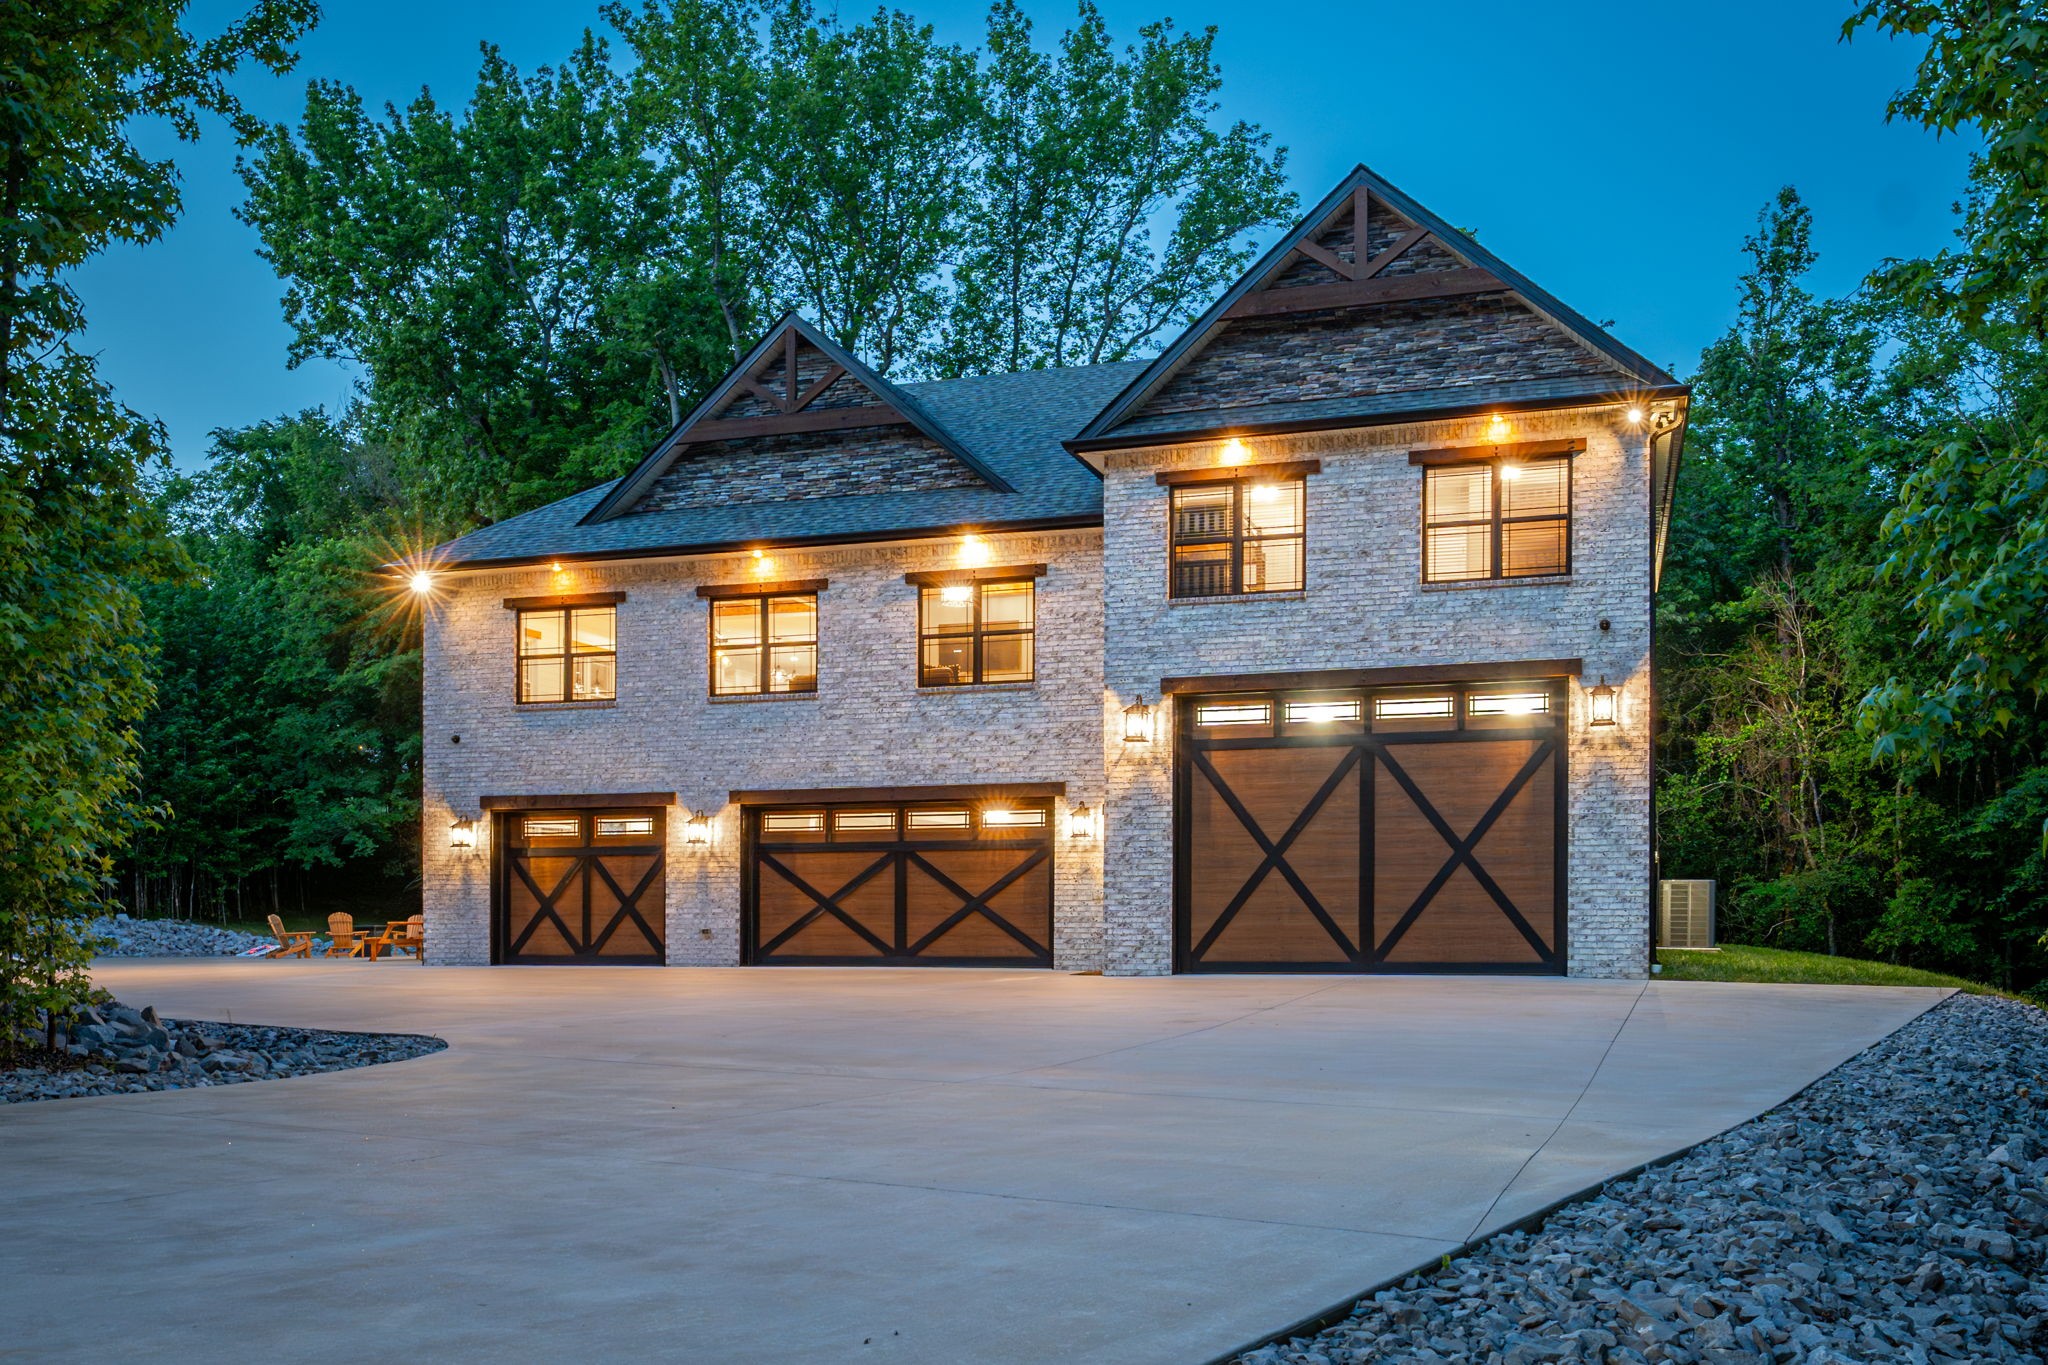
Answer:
(1462, 849)
(823, 904)
(545, 907)
(979, 904)
(1276, 851)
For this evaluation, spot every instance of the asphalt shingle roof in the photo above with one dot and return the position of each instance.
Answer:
(1015, 423)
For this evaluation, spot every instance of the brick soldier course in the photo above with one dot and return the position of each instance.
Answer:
(805, 472)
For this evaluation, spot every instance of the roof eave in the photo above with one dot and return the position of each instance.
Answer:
(723, 547)
(1431, 413)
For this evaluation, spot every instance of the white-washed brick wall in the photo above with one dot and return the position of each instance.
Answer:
(1365, 606)
(867, 725)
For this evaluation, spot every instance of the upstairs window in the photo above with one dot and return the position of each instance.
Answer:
(764, 645)
(568, 654)
(977, 632)
(1496, 519)
(1238, 536)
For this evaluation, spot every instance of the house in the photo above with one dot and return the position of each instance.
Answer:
(1319, 643)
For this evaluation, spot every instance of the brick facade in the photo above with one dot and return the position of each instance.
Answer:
(869, 724)
(1365, 606)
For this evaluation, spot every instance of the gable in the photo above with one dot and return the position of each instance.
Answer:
(1371, 298)
(797, 418)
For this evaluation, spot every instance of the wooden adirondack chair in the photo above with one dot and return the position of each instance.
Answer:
(342, 929)
(291, 942)
(413, 940)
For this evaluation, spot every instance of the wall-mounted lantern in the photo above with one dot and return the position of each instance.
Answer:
(1138, 722)
(697, 829)
(1080, 822)
(462, 836)
(1601, 700)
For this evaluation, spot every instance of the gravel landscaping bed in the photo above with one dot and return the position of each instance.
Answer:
(113, 1049)
(1895, 1210)
(171, 938)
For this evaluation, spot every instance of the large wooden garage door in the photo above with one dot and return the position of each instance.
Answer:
(937, 883)
(581, 886)
(1412, 830)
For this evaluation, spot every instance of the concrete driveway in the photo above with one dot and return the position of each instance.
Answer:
(861, 1165)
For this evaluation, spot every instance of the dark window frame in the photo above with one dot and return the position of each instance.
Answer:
(976, 632)
(1495, 520)
(1238, 538)
(568, 653)
(713, 650)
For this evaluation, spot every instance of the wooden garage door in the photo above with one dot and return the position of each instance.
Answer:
(920, 883)
(1411, 830)
(581, 886)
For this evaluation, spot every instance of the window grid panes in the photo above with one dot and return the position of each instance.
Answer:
(1496, 519)
(762, 645)
(977, 633)
(568, 654)
(1239, 536)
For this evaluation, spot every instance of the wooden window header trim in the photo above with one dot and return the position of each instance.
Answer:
(939, 578)
(788, 587)
(578, 599)
(1176, 478)
(1398, 676)
(582, 802)
(818, 796)
(1521, 450)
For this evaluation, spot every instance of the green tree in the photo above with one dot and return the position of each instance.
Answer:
(1969, 537)
(77, 530)
(1083, 163)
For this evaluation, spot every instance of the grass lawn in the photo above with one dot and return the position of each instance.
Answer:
(1738, 963)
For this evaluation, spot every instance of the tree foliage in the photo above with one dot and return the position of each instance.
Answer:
(540, 283)
(1969, 536)
(77, 531)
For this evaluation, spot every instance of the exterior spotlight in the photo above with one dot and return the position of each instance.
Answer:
(1138, 722)
(1602, 701)
(1081, 822)
(697, 830)
(462, 836)
(422, 583)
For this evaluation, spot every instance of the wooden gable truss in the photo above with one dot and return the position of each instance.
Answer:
(768, 383)
(1272, 288)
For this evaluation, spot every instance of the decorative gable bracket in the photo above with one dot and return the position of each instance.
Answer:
(1360, 283)
(790, 401)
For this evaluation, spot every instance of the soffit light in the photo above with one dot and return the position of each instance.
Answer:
(422, 582)
(974, 552)
(1234, 452)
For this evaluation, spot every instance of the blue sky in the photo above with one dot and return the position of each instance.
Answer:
(1615, 153)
